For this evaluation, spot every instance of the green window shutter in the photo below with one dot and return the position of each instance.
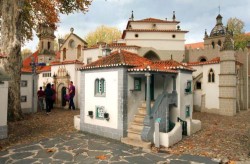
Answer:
(102, 86)
(187, 111)
(137, 84)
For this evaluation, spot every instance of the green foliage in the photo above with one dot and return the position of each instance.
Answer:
(103, 34)
(236, 26)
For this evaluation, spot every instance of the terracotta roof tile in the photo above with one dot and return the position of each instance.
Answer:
(195, 45)
(66, 62)
(163, 66)
(44, 69)
(116, 59)
(213, 61)
(125, 58)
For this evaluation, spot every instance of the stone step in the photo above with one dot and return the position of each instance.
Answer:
(137, 125)
(142, 110)
(137, 143)
(134, 134)
(139, 118)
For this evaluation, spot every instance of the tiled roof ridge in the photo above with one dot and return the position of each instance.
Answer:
(212, 61)
(155, 20)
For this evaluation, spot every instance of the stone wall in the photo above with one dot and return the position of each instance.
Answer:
(227, 84)
(193, 55)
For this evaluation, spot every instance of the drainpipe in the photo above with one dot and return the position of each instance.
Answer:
(148, 97)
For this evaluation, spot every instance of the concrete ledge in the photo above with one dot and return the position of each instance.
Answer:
(77, 122)
(3, 131)
(172, 137)
(193, 126)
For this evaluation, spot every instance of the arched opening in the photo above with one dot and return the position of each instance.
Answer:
(211, 76)
(151, 55)
(78, 51)
(49, 45)
(202, 59)
(213, 44)
(64, 53)
(219, 42)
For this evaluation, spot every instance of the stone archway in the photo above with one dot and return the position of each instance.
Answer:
(151, 55)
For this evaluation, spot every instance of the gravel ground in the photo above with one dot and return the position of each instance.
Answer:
(221, 136)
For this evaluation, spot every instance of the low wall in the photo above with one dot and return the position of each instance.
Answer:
(77, 122)
(3, 110)
(172, 137)
(193, 126)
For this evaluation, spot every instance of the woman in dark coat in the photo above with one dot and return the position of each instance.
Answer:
(48, 98)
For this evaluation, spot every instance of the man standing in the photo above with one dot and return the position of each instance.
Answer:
(40, 95)
(71, 95)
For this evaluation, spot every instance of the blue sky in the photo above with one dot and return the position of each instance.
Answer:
(194, 15)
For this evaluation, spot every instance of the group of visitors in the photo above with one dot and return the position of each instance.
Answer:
(49, 94)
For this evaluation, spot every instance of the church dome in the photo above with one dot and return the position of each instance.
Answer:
(219, 29)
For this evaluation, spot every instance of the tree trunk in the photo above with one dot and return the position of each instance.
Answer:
(11, 46)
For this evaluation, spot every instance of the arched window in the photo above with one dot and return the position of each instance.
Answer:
(79, 51)
(213, 45)
(49, 45)
(100, 87)
(64, 53)
(151, 55)
(211, 76)
(219, 43)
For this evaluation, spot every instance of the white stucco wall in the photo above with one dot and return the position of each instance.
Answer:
(42, 81)
(71, 52)
(184, 99)
(211, 89)
(4, 103)
(149, 25)
(27, 91)
(110, 101)
(157, 40)
(92, 54)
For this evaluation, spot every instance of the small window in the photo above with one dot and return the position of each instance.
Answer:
(100, 87)
(23, 98)
(136, 35)
(198, 85)
(188, 87)
(173, 36)
(187, 111)
(211, 76)
(100, 110)
(137, 84)
(24, 83)
(89, 60)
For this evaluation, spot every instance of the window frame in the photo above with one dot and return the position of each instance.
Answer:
(100, 87)
(211, 76)
(97, 108)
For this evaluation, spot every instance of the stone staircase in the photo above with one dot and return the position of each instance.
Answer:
(135, 130)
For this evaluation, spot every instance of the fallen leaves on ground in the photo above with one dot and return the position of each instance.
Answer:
(101, 157)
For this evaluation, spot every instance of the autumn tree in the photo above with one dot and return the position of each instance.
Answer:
(26, 52)
(18, 18)
(103, 34)
(236, 26)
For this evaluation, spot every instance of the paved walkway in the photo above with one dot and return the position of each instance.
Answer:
(89, 149)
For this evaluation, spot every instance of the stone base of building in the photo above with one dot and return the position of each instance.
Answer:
(3, 132)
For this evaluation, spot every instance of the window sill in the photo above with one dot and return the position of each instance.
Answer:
(100, 95)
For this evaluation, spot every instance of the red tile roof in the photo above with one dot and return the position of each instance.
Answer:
(248, 33)
(3, 56)
(125, 58)
(66, 62)
(162, 66)
(116, 59)
(114, 45)
(195, 45)
(213, 61)
(44, 69)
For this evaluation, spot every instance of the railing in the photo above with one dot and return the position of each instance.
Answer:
(160, 110)
(184, 126)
